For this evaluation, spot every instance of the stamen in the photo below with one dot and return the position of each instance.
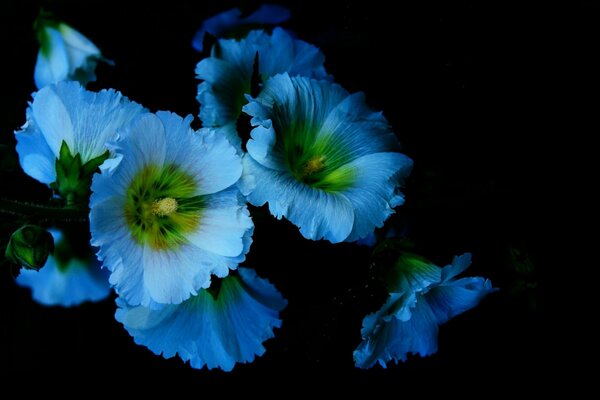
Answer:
(315, 164)
(164, 207)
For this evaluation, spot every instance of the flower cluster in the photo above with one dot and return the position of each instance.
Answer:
(167, 204)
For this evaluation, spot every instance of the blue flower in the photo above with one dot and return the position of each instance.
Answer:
(65, 54)
(322, 159)
(217, 328)
(227, 74)
(230, 23)
(66, 281)
(166, 212)
(67, 113)
(422, 297)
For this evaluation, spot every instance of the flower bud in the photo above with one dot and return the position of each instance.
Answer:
(29, 246)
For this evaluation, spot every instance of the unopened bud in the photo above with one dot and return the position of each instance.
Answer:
(29, 246)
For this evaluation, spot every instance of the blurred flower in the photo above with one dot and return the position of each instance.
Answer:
(64, 139)
(66, 280)
(166, 213)
(217, 327)
(422, 297)
(29, 247)
(231, 24)
(322, 159)
(64, 54)
(228, 74)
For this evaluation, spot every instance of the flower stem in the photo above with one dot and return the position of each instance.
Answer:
(43, 211)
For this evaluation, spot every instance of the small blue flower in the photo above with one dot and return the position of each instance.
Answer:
(227, 74)
(230, 23)
(422, 297)
(66, 282)
(68, 113)
(322, 159)
(216, 328)
(65, 54)
(166, 212)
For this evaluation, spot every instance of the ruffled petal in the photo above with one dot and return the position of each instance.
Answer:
(318, 214)
(221, 24)
(221, 95)
(282, 53)
(225, 221)
(453, 298)
(376, 178)
(226, 75)
(78, 283)
(206, 154)
(388, 338)
(35, 156)
(459, 265)
(216, 333)
(85, 120)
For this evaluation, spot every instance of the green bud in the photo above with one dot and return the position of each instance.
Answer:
(73, 177)
(29, 246)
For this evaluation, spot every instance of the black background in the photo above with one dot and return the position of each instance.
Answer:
(457, 82)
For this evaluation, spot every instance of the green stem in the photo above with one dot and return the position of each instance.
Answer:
(43, 211)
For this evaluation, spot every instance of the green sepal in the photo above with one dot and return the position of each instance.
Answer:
(73, 178)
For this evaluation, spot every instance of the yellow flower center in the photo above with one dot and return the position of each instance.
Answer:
(164, 207)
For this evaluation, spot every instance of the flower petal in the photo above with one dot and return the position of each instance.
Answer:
(376, 179)
(453, 298)
(221, 24)
(224, 223)
(52, 63)
(35, 157)
(216, 333)
(85, 120)
(70, 285)
(459, 265)
(391, 338)
(318, 214)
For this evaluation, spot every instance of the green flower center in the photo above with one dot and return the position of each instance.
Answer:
(320, 165)
(161, 208)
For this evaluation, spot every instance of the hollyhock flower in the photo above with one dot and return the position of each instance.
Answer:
(218, 327)
(322, 159)
(228, 73)
(422, 297)
(65, 54)
(166, 212)
(231, 24)
(66, 280)
(64, 138)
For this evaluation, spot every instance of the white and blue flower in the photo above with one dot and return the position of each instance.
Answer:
(166, 213)
(322, 159)
(66, 280)
(231, 24)
(216, 328)
(227, 74)
(422, 297)
(67, 113)
(65, 54)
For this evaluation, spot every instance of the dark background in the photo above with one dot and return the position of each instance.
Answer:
(458, 82)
